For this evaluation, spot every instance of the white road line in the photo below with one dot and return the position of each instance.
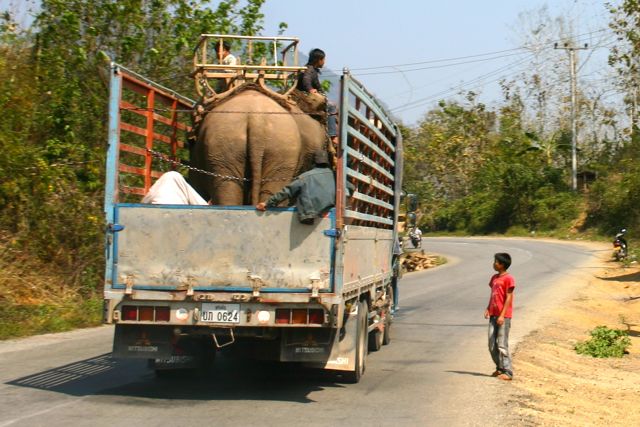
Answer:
(35, 414)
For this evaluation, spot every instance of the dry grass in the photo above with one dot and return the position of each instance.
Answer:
(35, 298)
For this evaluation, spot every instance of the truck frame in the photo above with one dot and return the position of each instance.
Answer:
(182, 281)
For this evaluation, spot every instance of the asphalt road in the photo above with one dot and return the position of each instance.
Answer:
(435, 371)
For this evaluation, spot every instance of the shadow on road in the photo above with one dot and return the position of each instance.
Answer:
(438, 325)
(474, 374)
(227, 380)
(633, 277)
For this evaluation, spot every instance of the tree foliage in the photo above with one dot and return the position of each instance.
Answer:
(53, 95)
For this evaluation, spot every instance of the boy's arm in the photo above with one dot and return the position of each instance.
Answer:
(486, 310)
(507, 303)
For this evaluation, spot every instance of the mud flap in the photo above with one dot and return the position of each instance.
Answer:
(142, 342)
(342, 355)
(306, 344)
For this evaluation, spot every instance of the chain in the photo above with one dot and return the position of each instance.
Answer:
(170, 110)
(165, 158)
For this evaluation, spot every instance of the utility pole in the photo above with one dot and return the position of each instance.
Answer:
(574, 121)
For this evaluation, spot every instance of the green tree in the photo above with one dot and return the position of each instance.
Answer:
(53, 132)
(625, 55)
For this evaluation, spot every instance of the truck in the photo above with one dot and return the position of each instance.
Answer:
(183, 282)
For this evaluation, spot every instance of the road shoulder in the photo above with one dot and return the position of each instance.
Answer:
(556, 386)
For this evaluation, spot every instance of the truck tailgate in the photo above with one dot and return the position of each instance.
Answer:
(219, 248)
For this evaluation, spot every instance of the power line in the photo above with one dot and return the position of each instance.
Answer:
(425, 100)
(459, 58)
(434, 61)
(440, 66)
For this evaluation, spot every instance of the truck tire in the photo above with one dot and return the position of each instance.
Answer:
(376, 338)
(386, 336)
(361, 346)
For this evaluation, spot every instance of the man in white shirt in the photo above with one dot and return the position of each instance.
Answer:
(223, 49)
(172, 189)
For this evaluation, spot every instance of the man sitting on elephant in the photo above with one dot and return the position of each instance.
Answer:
(314, 191)
(309, 81)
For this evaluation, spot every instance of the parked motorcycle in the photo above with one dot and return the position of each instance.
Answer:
(620, 248)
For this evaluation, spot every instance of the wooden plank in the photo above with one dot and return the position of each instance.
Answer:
(143, 89)
(367, 217)
(162, 138)
(139, 171)
(132, 190)
(133, 129)
(151, 104)
(157, 117)
(369, 180)
(362, 96)
(360, 137)
(368, 199)
(364, 159)
(131, 169)
(246, 76)
(245, 67)
(133, 149)
(362, 119)
(170, 122)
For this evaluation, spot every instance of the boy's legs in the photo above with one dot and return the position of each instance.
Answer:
(499, 345)
(493, 342)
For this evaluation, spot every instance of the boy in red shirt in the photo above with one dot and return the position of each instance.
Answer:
(499, 313)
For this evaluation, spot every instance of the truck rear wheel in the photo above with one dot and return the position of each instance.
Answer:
(386, 336)
(376, 339)
(361, 346)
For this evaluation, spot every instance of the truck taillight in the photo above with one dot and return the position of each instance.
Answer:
(145, 313)
(299, 316)
(129, 312)
(283, 315)
(316, 316)
(163, 314)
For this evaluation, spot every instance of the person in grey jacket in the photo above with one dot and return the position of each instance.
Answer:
(314, 191)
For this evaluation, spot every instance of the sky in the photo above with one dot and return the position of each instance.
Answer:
(453, 45)
(360, 34)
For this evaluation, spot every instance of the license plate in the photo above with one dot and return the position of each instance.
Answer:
(220, 313)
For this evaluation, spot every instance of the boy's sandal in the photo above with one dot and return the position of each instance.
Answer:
(504, 377)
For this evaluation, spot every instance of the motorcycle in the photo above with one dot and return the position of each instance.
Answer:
(416, 239)
(620, 248)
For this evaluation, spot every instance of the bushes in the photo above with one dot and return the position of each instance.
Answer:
(605, 342)
(614, 200)
(518, 197)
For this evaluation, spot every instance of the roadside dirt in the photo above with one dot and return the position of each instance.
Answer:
(554, 385)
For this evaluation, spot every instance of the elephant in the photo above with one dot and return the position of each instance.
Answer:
(254, 145)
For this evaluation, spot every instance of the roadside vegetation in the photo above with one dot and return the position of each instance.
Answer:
(476, 169)
(605, 342)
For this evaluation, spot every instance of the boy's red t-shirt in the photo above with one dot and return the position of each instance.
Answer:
(499, 287)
